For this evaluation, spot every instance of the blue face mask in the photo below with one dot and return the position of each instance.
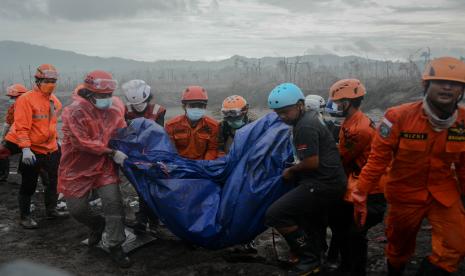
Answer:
(236, 123)
(195, 114)
(11, 101)
(103, 103)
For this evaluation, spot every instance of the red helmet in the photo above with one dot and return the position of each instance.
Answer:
(346, 89)
(99, 81)
(46, 71)
(194, 93)
(16, 90)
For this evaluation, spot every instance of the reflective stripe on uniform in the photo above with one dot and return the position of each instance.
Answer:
(156, 108)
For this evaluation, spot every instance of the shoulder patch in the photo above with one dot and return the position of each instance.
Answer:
(385, 128)
(456, 134)
(301, 147)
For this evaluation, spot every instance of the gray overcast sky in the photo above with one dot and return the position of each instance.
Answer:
(216, 29)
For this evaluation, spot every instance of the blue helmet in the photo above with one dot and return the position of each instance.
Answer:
(285, 94)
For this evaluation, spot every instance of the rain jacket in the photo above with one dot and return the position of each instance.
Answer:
(196, 143)
(85, 162)
(355, 138)
(421, 158)
(35, 122)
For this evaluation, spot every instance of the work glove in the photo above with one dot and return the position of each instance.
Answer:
(119, 157)
(360, 207)
(29, 158)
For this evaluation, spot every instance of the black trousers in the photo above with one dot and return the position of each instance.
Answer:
(4, 169)
(348, 239)
(46, 166)
(307, 208)
(144, 214)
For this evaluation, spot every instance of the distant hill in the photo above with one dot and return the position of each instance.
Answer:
(388, 82)
(17, 57)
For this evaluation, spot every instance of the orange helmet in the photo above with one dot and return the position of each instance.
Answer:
(194, 93)
(445, 68)
(234, 106)
(346, 89)
(101, 82)
(16, 90)
(46, 71)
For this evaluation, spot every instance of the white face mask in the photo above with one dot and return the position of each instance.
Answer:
(140, 107)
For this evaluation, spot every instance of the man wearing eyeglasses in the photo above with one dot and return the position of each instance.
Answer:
(34, 133)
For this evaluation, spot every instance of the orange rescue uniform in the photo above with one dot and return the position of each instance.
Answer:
(35, 122)
(420, 183)
(355, 138)
(200, 142)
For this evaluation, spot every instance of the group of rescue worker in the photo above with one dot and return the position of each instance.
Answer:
(80, 164)
(347, 170)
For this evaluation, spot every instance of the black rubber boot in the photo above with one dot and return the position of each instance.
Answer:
(50, 197)
(428, 269)
(393, 271)
(95, 235)
(120, 257)
(309, 263)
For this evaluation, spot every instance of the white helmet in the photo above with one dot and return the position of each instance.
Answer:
(136, 91)
(315, 102)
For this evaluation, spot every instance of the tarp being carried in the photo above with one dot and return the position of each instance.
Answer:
(215, 203)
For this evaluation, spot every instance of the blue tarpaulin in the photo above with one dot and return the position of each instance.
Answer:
(215, 203)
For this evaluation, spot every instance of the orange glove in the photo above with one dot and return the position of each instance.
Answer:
(360, 207)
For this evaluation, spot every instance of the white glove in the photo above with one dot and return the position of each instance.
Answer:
(29, 158)
(119, 157)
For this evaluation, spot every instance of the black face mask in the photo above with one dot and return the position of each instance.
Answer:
(345, 110)
(446, 111)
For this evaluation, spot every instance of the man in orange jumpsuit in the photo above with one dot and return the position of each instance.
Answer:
(34, 133)
(194, 134)
(13, 92)
(421, 141)
(355, 135)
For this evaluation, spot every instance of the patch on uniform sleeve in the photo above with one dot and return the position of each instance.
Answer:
(301, 147)
(456, 134)
(385, 128)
